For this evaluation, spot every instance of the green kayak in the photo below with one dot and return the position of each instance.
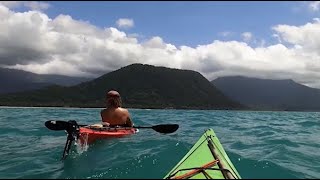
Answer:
(205, 160)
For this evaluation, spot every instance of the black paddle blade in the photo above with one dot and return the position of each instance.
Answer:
(165, 128)
(57, 125)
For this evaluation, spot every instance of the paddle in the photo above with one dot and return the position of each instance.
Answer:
(162, 128)
(58, 125)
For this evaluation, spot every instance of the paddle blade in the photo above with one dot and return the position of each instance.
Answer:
(166, 128)
(57, 125)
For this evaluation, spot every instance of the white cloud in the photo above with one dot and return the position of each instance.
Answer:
(262, 43)
(314, 6)
(135, 35)
(226, 33)
(33, 5)
(37, 5)
(155, 42)
(307, 36)
(277, 37)
(11, 4)
(247, 36)
(125, 23)
(317, 20)
(34, 42)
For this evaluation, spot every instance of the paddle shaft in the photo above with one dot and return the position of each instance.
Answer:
(138, 127)
(227, 174)
(142, 127)
(63, 125)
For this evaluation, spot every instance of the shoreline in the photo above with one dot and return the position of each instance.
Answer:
(248, 110)
(49, 107)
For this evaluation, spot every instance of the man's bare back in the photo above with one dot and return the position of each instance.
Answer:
(116, 117)
(113, 114)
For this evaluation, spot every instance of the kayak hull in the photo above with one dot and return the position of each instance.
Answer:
(89, 135)
(206, 160)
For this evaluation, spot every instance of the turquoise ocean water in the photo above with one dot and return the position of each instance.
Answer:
(260, 144)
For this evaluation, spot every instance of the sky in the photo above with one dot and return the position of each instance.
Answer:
(271, 40)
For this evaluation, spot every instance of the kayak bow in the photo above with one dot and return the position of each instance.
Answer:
(206, 160)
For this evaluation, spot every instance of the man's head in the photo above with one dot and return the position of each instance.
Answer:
(113, 99)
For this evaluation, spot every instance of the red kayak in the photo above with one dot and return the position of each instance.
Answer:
(89, 135)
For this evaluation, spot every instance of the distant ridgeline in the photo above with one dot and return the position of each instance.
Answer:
(266, 94)
(140, 86)
(13, 80)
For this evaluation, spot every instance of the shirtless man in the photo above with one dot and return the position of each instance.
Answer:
(114, 114)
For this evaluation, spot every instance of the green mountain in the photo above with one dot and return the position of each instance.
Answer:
(141, 86)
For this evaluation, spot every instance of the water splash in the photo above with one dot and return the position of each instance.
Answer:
(82, 146)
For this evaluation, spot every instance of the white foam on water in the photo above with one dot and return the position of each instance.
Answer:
(82, 147)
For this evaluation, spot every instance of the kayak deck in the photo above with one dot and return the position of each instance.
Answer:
(89, 135)
(206, 160)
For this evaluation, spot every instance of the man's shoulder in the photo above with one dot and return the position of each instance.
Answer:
(122, 110)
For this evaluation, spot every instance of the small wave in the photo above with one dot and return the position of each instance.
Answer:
(284, 142)
(308, 123)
